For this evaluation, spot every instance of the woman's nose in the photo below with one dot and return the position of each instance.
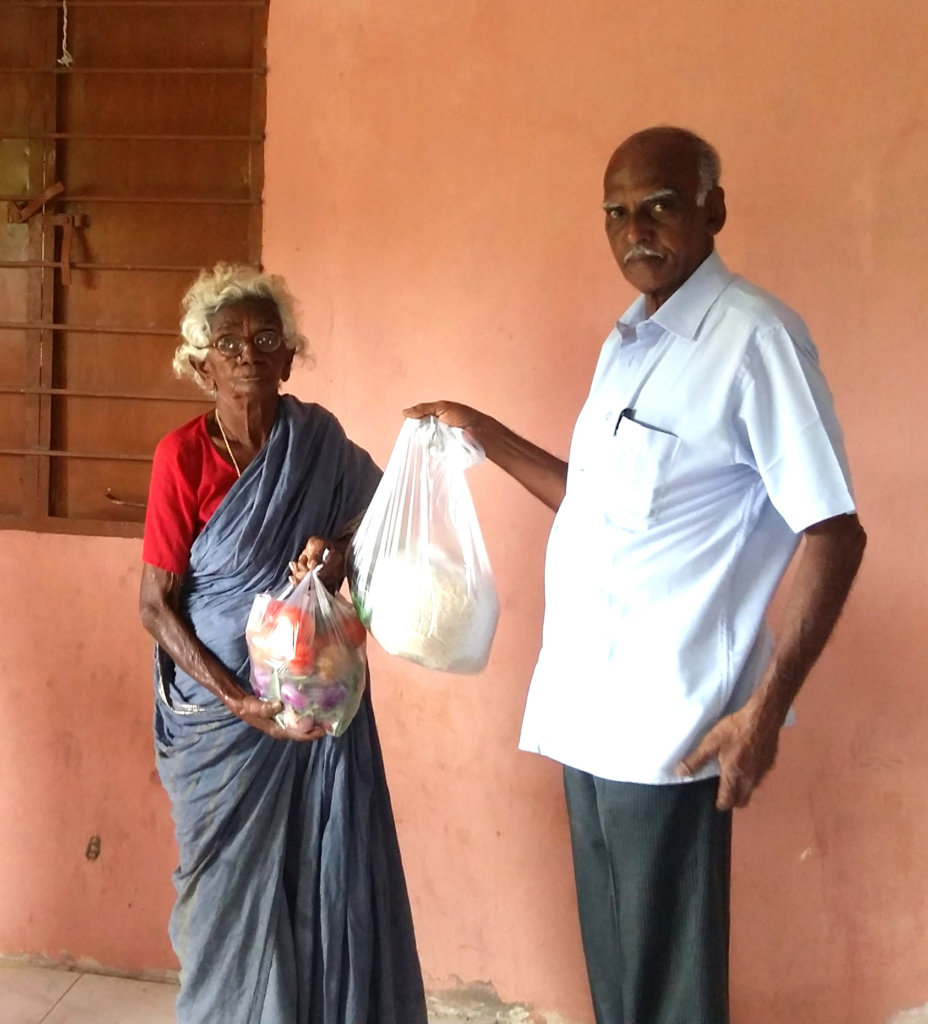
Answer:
(248, 353)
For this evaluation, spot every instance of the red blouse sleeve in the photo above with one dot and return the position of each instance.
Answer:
(188, 481)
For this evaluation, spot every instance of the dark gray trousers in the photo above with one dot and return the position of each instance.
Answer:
(652, 868)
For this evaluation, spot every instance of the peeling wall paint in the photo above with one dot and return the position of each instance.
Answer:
(479, 1003)
(917, 1015)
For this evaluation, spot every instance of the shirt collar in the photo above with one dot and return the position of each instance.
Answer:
(683, 312)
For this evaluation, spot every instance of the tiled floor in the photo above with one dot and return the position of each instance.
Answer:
(50, 995)
(46, 995)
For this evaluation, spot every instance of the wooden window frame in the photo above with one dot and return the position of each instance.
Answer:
(44, 265)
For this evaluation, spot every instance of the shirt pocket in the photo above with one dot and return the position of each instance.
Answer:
(640, 458)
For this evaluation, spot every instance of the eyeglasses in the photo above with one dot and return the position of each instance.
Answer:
(234, 344)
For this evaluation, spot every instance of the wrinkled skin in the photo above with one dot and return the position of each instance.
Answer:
(246, 391)
(658, 229)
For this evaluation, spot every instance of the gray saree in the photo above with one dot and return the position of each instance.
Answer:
(291, 900)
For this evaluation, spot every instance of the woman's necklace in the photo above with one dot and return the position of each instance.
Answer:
(226, 441)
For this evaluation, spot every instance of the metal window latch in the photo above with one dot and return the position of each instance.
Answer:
(110, 497)
(68, 222)
(17, 214)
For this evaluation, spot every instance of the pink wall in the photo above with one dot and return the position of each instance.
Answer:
(432, 193)
(77, 760)
(432, 196)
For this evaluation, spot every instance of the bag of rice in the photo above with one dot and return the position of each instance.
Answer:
(419, 572)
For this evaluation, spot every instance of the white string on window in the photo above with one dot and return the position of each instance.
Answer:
(66, 59)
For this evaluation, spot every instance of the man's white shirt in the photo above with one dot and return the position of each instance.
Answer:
(707, 444)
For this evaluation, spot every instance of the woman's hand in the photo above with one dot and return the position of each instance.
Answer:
(159, 597)
(328, 553)
(261, 714)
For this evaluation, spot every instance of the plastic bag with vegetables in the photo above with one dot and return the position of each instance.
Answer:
(418, 569)
(307, 649)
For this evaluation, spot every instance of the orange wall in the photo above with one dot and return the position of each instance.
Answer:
(433, 181)
(76, 758)
(432, 196)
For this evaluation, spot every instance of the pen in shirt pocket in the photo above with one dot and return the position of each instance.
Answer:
(625, 413)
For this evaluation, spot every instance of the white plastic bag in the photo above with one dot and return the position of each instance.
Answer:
(307, 650)
(418, 570)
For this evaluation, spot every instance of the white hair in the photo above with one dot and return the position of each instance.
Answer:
(225, 284)
(708, 166)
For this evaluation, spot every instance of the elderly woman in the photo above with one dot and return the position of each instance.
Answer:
(291, 900)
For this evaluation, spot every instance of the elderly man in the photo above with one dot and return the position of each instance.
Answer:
(707, 450)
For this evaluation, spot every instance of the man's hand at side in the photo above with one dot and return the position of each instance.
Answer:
(745, 745)
(745, 742)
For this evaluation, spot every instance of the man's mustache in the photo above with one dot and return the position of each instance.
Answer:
(639, 252)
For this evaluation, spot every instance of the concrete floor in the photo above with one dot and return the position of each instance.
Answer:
(38, 994)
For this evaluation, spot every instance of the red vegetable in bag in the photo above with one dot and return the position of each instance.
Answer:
(307, 649)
